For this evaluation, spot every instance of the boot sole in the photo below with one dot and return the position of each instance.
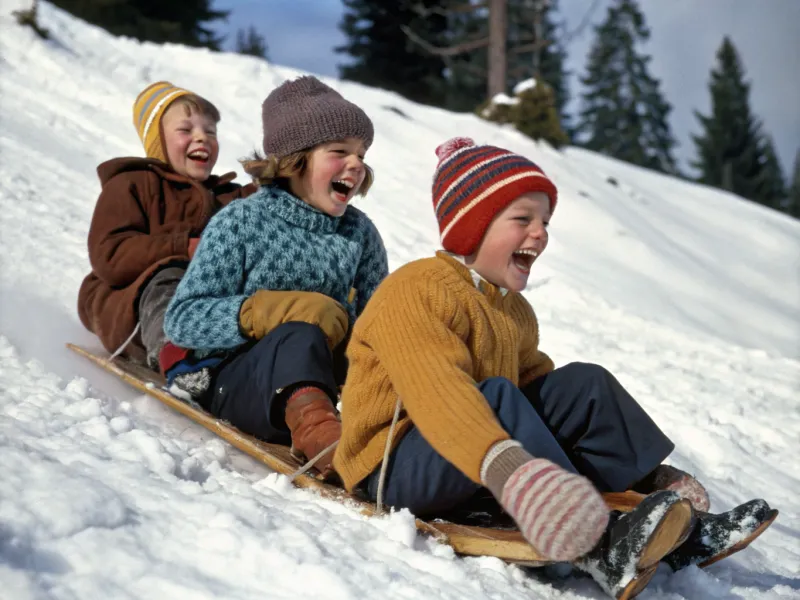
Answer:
(670, 533)
(638, 583)
(743, 544)
(672, 530)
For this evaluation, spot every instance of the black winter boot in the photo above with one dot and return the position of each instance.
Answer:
(715, 537)
(634, 543)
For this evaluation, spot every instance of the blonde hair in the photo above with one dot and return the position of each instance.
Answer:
(271, 170)
(194, 103)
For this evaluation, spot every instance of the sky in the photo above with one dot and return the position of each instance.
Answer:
(685, 35)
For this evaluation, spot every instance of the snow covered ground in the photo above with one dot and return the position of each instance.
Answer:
(690, 295)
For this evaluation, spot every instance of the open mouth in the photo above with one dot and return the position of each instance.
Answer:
(342, 189)
(200, 156)
(523, 259)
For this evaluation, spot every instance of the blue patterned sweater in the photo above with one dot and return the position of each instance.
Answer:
(271, 240)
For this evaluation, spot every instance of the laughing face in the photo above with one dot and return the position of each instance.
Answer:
(513, 241)
(333, 175)
(190, 138)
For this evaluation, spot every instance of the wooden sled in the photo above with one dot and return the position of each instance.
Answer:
(501, 541)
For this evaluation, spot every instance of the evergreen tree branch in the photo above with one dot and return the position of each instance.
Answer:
(529, 47)
(466, 46)
(473, 68)
(447, 11)
(587, 18)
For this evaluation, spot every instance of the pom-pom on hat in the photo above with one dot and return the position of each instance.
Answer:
(473, 183)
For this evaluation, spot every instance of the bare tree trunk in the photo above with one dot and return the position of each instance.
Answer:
(496, 82)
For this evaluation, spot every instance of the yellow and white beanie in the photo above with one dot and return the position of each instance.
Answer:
(148, 109)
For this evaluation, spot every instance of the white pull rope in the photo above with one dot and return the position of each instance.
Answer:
(124, 345)
(312, 462)
(386, 451)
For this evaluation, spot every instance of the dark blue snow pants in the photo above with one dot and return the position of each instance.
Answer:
(246, 390)
(578, 416)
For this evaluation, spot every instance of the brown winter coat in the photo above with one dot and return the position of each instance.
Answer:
(143, 220)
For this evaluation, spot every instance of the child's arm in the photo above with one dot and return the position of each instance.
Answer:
(417, 334)
(372, 269)
(204, 313)
(533, 363)
(121, 246)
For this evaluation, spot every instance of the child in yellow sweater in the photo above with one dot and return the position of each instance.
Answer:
(445, 371)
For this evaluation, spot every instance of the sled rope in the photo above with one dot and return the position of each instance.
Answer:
(124, 345)
(312, 462)
(386, 450)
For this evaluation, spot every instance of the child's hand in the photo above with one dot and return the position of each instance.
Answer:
(266, 309)
(193, 241)
(560, 513)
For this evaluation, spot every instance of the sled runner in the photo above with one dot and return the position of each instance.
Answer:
(494, 536)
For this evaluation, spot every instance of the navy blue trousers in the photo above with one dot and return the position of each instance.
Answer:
(247, 390)
(578, 416)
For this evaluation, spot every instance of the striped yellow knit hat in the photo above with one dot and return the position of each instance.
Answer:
(149, 108)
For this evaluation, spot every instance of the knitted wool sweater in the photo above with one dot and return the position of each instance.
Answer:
(430, 333)
(272, 241)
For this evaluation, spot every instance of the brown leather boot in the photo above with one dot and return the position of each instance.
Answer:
(314, 424)
(667, 477)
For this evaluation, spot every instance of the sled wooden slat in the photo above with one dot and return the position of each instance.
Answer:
(469, 540)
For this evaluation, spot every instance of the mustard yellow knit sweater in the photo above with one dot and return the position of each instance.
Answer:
(428, 335)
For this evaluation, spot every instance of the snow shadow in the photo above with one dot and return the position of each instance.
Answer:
(40, 329)
(19, 554)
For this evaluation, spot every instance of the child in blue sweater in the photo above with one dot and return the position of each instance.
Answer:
(278, 279)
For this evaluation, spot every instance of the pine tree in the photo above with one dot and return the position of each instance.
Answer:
(553, 67)
(552, 57)
(536, 115)
(178, 21)
(466, 73)
(772, 186)
(732, 152)
(623, 112)
(251, 42)
(413, 47)
(383, 56)
(792, 205)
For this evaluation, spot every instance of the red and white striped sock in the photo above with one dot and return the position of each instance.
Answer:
(561, 514)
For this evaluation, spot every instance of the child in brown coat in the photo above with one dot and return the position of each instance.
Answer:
(148, 220)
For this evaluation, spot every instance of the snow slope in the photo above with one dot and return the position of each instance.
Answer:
(691, 296)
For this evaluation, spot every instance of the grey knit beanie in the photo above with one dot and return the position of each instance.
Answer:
(303, 113)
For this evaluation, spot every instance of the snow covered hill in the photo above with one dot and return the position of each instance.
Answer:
(690, 295)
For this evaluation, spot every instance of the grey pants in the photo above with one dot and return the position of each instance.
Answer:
(153, 305)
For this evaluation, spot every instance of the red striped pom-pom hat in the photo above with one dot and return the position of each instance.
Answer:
(473, 183)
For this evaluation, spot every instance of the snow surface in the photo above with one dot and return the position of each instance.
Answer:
(688, 294)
